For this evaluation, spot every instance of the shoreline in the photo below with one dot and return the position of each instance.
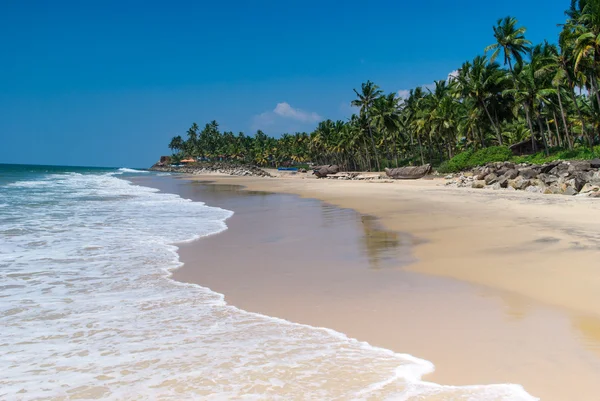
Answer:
(564, 227)
(256, 296)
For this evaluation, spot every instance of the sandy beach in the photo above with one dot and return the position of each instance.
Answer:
(492, 287)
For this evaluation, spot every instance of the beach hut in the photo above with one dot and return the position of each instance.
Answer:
(525, 147)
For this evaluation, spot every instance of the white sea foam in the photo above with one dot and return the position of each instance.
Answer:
(131, 170)
(88, 311)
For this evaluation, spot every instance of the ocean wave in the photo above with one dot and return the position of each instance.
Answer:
(131, 170)
(88, 299)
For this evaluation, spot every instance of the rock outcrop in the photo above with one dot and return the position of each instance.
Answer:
(408, 173)
(576, 177)
(214, 168)
(324, 171)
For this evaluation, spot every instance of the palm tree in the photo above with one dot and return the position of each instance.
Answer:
(366, 98)
(510, 40)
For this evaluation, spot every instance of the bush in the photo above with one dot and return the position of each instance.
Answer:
(470, 159)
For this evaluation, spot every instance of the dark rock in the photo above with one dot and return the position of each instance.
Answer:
(501, 171)
(595, 163)
(547, 178)
(546, 168)
(511, 174)
(502, 181)
(490, 179)
(324, 171)
(579, 165)
(528, 173)
(408, 173)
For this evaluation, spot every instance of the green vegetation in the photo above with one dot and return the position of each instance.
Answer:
(469, 159)
(546, 93)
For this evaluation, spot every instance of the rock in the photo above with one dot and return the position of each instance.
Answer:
(595, 163)
(478, 184)
(569, 191)
(576, 183)
(548, 179)
(408, 173)
(496, 186)
(519, 183)
(490, 179)
(502, 181)
(509, 188)
(534, 189)
(468, 174)
(589, 188)
(528, 173)
(578, 165)
(595, 194)
(546, 168)
(302, 170)
(552, 190)
(512, 174)
(324, 171)
(449, 177)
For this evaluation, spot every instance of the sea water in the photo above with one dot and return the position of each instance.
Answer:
(88, 311)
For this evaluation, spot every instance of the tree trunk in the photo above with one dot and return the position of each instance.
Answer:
(541, 126)
(533, 143)
(498, 136)
(421, 149)
(558, 138)
(564, 119)
(583, 128)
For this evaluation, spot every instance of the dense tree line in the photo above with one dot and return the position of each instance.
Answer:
(546, 93)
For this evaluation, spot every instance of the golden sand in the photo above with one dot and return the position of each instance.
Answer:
(525, 308)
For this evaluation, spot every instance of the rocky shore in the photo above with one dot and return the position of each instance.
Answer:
(560, 177)
(214, 168)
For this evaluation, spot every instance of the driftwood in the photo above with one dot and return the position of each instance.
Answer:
(408, 173)
(323, 171)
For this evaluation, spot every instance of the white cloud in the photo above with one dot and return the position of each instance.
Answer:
(284, 118)
(403, 94)
(287, 111)
(452, 75)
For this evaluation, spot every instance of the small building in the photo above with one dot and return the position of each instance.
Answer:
(526, 147)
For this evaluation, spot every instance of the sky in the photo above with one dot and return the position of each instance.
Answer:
(109, 83)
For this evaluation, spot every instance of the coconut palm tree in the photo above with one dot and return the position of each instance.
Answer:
(366, 97)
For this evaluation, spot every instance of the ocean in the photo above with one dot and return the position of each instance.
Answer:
(88, 309)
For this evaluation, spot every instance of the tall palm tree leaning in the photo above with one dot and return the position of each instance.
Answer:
(369, 93)
(511, 41)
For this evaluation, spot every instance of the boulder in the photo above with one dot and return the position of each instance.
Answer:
(577, 183)
(548, 179)
(552, 190)
(490, 179)
(576, 166)
(589, 188)
(324, 171)
(519, 183)
(502, 181)
(496, 186)
(569, 190)
(528, 173)
(408, 173)
(479, 184)
(534, 189)
(546, 168)
(512, 174)
(595, 163)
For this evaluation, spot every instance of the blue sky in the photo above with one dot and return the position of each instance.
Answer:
(108, 83)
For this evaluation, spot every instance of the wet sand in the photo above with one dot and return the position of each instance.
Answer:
(315, 263)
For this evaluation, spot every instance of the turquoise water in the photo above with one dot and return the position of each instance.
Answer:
(88, 311)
